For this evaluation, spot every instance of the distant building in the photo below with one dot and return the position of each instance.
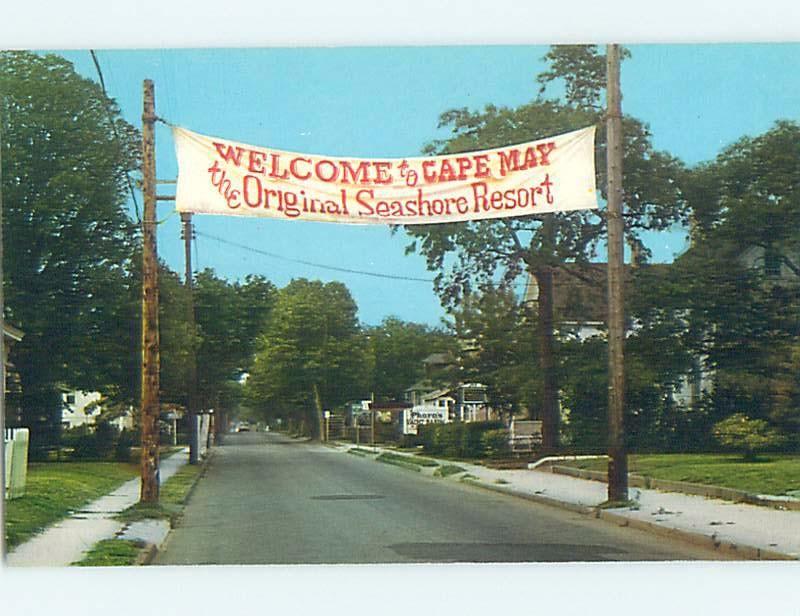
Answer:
(82, 408)
(463, 402)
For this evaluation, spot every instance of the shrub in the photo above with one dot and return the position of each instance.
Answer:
(457, 440)
(495, 442)
(86, 442)
(105, 436)
(747, 436)
(83, 443)
(122, 449)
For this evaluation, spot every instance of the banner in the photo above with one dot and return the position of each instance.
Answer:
(217, 176)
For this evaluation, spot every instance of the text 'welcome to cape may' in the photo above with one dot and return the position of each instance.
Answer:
(224, 177)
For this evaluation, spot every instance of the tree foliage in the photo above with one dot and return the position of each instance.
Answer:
(230, 316)
(748, 436)
(396, 350)
(68, 241)
(499, 349)
(737, 313)
(468, 256)
(311, 355)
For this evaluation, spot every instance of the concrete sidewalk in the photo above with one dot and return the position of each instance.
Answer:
(740, 530)
(68, 540)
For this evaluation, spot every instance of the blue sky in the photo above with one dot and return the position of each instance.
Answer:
(385, 102)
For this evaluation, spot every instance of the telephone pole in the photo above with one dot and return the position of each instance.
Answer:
(617, 454)
(191, 399)
(150, 350)
(2, 338)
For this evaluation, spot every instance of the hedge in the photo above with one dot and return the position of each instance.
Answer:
(459, 440)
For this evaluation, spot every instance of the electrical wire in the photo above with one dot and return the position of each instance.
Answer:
(311, 263)
(116, 134)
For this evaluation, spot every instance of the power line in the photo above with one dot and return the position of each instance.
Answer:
(311, 263)
(116, 134)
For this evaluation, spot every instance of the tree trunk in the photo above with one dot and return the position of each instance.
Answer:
(318, 420)
(550, 411)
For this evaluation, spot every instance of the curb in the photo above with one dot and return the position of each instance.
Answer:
(151, 550)
(536, 498)
(728, 548)
(146, 555)
(681, 487)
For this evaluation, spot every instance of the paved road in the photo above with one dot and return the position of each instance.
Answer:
(269, 499)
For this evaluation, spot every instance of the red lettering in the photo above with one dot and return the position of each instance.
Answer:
(229, 154)
(530, 158)
(361, 172)
(361, 195)
(275, 171)
(382, 175)
(509, 161)
(446, 172)
(482, 166)
(333, 170)
(464, 164)
(295, 172)
(248, 191)
(547, 185)
(427, 173)
(256, 161)
(479, 191)
(544, 151)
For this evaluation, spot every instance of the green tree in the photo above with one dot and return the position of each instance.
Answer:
(737, 289)
(748, 436)
(312, 354)
(396, 350)
(230, 317)
(176, 338)
(499, 348)
(488, 251)
(69, 243)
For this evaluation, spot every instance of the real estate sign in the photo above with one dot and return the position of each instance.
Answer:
(421, 415)
(218, 176)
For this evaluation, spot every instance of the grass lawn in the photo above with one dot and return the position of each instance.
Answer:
(394, 458)
(172, 497)
(112, 553)
(56, 488)
(447, 470)
(773, 474)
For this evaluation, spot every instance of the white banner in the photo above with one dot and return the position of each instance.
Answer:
(217, 176)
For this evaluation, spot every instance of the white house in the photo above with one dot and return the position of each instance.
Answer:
(81, 408)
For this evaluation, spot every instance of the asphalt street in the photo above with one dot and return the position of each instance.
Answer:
(270, 499)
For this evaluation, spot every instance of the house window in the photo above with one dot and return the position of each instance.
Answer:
(70, 398)
(772, 262)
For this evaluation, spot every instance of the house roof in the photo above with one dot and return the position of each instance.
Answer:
(579, 291)
(439, 393)
(441, 359)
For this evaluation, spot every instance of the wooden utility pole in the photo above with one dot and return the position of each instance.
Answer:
(2, 339)
(617, 455)
(150, 351)
(191, 399)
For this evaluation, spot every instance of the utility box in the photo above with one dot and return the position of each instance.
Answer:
(16, 459)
